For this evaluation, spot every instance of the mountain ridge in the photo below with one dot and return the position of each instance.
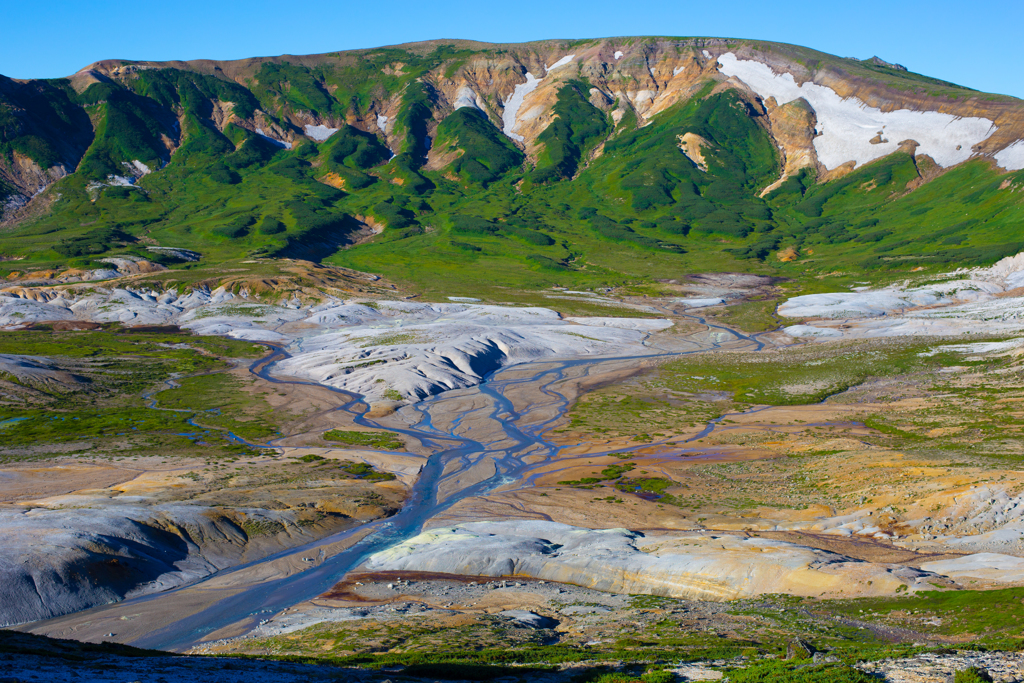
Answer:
(562, 122)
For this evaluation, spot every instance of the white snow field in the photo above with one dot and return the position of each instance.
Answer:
(509, 117)
(561, 62)
(382, 123)
(618, 54)
(1012, 157)
(514, 103)
(977, 304)
(847, 127)
(319, 133)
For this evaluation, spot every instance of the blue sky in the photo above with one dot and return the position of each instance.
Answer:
(974, 43)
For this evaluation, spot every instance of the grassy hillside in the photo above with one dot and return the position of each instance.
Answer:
(601, 202)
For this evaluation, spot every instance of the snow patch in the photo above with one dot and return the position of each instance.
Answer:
(514, 103)
(618, 54)
(1011, 158)
(561, 62)
(677, 70)
(847, 126)
(382, 124)
(319, 133)
(467, 97)
(279, 143)
(644, 96)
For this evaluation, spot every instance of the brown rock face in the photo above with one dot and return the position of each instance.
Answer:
(693, 147)
(792, 128)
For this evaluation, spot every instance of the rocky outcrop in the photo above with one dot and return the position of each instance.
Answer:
(693, 147)
(57, 561)
(417, 350)
(694, 566)
(792, 127)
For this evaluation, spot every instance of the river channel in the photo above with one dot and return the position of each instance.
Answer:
(480, 439)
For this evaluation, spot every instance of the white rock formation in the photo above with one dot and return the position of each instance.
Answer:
(886, 301)
(697, 566)
(50, 559)
(423, 349)
(976, 304)
(811, 331)
(984, 566)
(415, 349)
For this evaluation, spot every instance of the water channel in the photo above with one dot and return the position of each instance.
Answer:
(507, 440)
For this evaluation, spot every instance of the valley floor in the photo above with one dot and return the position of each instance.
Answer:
(568, 491)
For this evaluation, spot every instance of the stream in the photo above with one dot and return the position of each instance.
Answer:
(506, 441)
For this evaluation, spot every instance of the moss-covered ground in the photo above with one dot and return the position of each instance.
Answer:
(103, 410)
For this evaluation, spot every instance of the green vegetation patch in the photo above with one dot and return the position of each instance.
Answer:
(991, 614)
(385, 440)
(578, 126)
(100, 407)
(221, 401)
(366, 471)
(639, 211)
(486, 153)
(610, 473)
(799, 672)
(799, 376)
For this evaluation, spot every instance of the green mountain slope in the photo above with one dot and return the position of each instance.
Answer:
(630, 168)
